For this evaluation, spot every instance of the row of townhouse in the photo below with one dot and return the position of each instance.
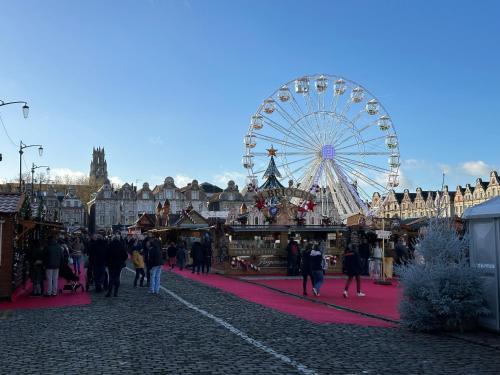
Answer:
(446, 203)
(112, 208)
(120, 207)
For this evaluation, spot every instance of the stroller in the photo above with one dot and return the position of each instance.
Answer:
(73, 280)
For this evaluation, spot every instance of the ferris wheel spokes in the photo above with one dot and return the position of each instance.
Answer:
(364, 142)
(286, 132)
(286, 116)
(361, 175)
(347, 186)
(282, 142)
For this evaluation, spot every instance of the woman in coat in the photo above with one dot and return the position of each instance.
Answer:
(352, 266)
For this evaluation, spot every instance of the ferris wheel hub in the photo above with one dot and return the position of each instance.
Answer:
(328, 152)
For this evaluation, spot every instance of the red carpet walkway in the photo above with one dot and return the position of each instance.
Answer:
(23, 299)
(284, 303)
(380, 300)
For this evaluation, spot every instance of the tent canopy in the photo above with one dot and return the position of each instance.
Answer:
(488, 209)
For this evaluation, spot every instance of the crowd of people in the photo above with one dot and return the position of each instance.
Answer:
(103, 258)
(309, 260)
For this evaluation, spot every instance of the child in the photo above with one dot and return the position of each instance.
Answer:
(138, 261)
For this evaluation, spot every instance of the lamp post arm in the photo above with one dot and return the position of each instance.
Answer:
(2, 103)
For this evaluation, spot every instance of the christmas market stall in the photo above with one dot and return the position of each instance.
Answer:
(19, 232)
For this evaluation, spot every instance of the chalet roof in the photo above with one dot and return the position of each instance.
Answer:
(190, 217)
(151, 218)
(11, 202)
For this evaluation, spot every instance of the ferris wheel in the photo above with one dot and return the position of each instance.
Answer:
(333, 138)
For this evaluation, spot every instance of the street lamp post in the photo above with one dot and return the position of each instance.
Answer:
(33, 167)
(26, 110)
(22, 146)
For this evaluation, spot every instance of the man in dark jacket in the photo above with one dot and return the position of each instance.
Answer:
(306, 268)
(155, 263)
(97, 261)
(116, 257)
(53, 259)
(147, 245)
(197, 255)
(364, 254)
(292, 252)
(207, 256)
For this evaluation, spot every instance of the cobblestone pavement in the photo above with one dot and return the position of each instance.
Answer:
(138, 333)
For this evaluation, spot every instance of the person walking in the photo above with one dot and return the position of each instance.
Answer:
(207, 257)
(364, 254)
(116, 258)
(37, 274)
(292, 251)
(138, 261)
(97, 261)
(305, 268)
(172, 255)
(197, 255)
(181, 255)
(76, 254)
(53, 260)
(352, 266)
(154, 264)
(147, 245)
(315, 261)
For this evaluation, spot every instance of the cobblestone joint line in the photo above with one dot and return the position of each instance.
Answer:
(300, 367)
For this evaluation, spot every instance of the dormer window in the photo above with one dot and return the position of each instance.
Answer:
(144, 195)
(107, 194)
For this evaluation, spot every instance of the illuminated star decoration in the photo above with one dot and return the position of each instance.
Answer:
(260, 203)
(310, 205)
(271, 151)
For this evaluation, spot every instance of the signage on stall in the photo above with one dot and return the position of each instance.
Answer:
(383, 234)
(286, 192)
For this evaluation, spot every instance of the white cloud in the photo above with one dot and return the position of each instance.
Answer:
(67, 173)
(182, 180)
(405, 182)
(115, 180)
(224, 177)
(412, 163)
(476, 168)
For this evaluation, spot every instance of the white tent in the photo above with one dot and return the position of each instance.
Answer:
(483, 222)
(488, 209)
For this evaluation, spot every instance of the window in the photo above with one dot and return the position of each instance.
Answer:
(145, 195)
(256, 220)
(101, 220)
(170, 194)
(195, 195)
(107, 194)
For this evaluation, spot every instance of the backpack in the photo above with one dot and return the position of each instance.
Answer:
(294, 248)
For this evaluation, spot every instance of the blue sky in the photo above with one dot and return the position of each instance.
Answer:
(168, 87)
